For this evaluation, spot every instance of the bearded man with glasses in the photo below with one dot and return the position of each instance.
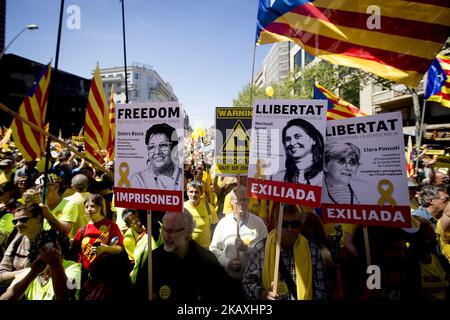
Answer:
(163, 172)
(183, 271)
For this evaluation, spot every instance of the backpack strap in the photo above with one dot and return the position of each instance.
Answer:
(288, 278)
(16, 245)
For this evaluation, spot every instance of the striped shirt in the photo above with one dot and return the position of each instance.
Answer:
(252, 280)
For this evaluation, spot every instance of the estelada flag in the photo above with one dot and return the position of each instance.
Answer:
(96, 122)
(409, 159)
(337, 108)
(112, 126)
(438, 81)
(393, 39)
(31, 142)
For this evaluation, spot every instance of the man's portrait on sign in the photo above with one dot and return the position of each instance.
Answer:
(163, 171)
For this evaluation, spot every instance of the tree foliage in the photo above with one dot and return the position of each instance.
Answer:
(344, 81)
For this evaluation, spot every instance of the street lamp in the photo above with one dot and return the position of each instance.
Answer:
(28, 27)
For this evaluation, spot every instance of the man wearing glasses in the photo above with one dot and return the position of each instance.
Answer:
(182, 269)
(301, 273)
(432, 201)
(162, 172)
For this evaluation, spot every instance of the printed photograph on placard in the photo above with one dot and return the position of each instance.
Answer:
(287, 147)
(364, 177)
(149, 155)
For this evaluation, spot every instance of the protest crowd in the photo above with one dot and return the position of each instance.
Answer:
(79, 237)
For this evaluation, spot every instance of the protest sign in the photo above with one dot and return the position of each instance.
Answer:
(149, 156)
(232, 141)
(364, 172)
(286, 153)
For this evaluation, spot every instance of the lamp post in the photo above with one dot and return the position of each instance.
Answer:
(124, 52)
(28, 27)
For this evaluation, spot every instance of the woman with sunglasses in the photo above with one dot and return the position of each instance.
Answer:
(341, 164)
(28, 221)
(162, 172)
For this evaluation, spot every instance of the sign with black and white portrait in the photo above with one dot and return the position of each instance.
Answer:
(286, 153)
(364, 179)
(149, 156)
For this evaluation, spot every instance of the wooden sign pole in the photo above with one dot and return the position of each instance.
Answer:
(278, 249)
(150, 255)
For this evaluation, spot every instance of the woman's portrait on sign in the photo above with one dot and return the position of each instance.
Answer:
(303, 146)
(163, 171)
(342, 160)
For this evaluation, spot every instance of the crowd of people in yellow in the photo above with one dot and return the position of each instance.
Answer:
(79, 246)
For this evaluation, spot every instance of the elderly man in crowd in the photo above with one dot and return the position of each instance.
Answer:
(231, 248)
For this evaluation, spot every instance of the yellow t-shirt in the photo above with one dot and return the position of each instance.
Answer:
(66, 211)
(434, 282)
(444, 240)
(202, 231)
(37, 291)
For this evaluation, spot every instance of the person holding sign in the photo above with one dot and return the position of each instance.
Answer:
(162, 173)
(303, 145)
(228, 245)
(301, 273)
(341, 164)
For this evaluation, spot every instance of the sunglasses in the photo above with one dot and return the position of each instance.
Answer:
(22, 220)
(293, 224)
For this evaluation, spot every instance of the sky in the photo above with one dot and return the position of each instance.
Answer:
(204, 48)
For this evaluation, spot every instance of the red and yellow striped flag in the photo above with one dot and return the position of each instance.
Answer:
(96, 121)
(112, 125)
(395, 39)
(337, 108)
(30, 142)
(409, 159)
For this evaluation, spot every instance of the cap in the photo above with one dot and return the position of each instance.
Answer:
(6, 162)
(54, 154)
(412, 182)
(52, 178)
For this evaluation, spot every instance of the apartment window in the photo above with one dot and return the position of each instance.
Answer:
(298, 60)
(136, 76)
(308, 58)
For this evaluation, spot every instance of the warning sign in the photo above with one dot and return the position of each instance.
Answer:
(232, 140)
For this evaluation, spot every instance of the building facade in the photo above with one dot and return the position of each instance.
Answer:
(144, 84)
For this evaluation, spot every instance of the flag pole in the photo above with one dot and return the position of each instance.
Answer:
(150, 255)
(50, 136)
(52, 108)
(419, 137)
(253, 73)
(278, 248)
(124, 51)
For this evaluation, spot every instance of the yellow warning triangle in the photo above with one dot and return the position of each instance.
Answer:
(237, 141)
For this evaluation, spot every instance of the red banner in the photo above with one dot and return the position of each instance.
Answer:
(149, 199)
(287, 192)
(373, 215)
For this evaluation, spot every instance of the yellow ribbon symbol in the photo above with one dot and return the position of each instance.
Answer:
(259, 170)
(386, 193)
(124, 169)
